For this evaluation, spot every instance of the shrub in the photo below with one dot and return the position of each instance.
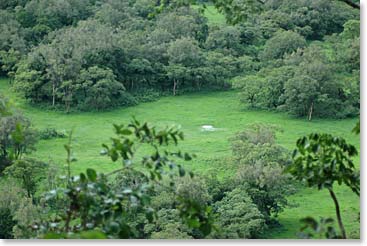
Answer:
(283, 42)
(6, 223)
(238, 216)
(267, 185)
(50, 133)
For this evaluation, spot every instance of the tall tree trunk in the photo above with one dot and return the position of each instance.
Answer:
(338, 216)
(174, 87)
(29, 194)
(198, 84)
(67, 98)
(53, 94)
(310, 112)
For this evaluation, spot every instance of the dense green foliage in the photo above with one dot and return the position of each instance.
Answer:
(322, 159)
(299, 57)
(238, 216)
(131, 203)
(17, 137)
(218, 167)
(91, 56)
(28, 173)
(6, 223)
(305, 53)
(261, 170)
(328, 160)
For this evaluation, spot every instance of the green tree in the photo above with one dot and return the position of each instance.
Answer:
(9, 61)
(12, 42)
(11, 198)
(140, 72)
(282, 43)
(260, 171)
(11, 4)
(320, 160)
(314, 88)
(194, 189)
(238, 217)
(185, 52)
(176, 73)
(168, 226)
(184, 22)
(17, 137)
(267, 185)
(29, 172)
(274, 88)
(227, 39)
(252, 90)
(98, 89)
(239, 11)
(6, 223)
(257, 143)
(27, 214)
(302, 94)
(4, 106)
(42, 16)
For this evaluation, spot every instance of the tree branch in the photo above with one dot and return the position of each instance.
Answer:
(338, 216)
(261, 1)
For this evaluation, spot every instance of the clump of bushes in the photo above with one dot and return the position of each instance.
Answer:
(6, 223)
(50, 133)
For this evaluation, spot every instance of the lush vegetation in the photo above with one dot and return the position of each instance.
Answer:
(120, 55)
(282, 66)
(222, 110)
(88, 56)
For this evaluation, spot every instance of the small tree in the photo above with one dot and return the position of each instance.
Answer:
(4, 106)
(322, 159)
(267, 185)
(17, 137)
(238, 216)
(29, 172)
(6, 223)
(302, 95)
(252, 90)
(282, 43)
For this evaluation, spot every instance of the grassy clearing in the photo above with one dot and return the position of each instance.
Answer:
(220, 109)
(214, 17)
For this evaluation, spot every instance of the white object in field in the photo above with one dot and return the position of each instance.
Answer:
(207, 128)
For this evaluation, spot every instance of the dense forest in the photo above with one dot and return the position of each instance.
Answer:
(300, 58)
(93, 55)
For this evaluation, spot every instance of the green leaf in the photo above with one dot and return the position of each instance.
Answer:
(150, 215)
(114, 156)
(193, 223)
(83, 178)
(205, 228)
(181, 171)
(92, 175)
(125, 132)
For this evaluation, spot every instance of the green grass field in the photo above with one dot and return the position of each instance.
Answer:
(220, 109)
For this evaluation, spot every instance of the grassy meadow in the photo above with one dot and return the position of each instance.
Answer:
(220, 109)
